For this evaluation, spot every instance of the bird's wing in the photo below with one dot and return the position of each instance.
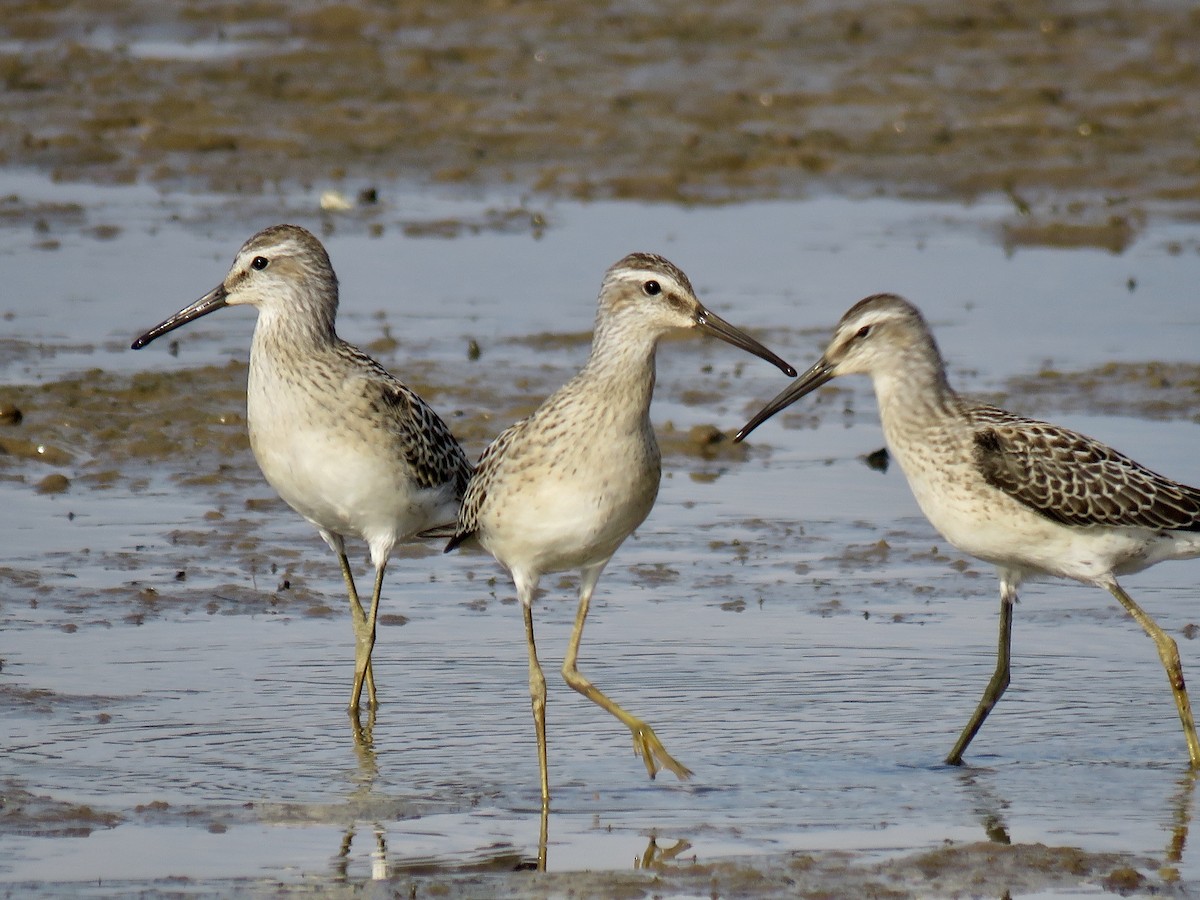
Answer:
(1074, 479)
(423, 440)
(485, 473)
(430, 449)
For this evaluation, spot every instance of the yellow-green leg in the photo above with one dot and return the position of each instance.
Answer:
(364, 635)
(1000, 678)
(1168, 652)
(537, 697)
(364, 644)
(645, 743)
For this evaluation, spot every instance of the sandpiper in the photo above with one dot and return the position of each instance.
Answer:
(1031, 498)
(345, 444)
(561, 489)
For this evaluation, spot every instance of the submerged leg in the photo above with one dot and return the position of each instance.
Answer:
(1168, 652)
(537, 687)
(999, 680)
(645, 743)
(358, 619)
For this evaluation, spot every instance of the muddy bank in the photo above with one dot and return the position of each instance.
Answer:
(970, 870)
(1081, 113)
(980, 869)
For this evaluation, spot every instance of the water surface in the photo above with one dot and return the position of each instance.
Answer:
(789, 623)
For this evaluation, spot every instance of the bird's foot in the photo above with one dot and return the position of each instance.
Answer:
(647, 745)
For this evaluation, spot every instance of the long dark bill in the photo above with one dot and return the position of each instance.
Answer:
(820, 373)
(210, 302)
(718, 327)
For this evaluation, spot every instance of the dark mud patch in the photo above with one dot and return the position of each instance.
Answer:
(1079, 114)
(1073, 229)
(24, 813)
(1147, 390)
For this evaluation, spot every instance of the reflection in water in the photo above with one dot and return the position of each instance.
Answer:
(986, 804)
(379, 865)
(991, 810)
(1182, 803)
(379, 869)
(368, 772)
(364, 749)
(656, 857)
(653, 857)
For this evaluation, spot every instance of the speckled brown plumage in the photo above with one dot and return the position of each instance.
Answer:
(345, 443)
(1074, 479)
(1029, 497)
(424, 442)
(562, 489)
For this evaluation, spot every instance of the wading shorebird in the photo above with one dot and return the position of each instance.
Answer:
(343, 442)
(1028, 497)
(562, 489)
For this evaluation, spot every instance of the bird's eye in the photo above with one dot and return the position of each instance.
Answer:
(864, 331)
(259, 263)
(651, 288)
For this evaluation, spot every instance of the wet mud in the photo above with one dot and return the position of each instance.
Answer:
(972, 870)
(1081, 113)
(977, 870)
(1153, 390)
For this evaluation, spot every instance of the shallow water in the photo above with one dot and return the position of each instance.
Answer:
(811, 676)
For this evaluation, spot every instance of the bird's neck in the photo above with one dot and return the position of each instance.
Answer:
(621, 368)
(298, 330)
(917, 392)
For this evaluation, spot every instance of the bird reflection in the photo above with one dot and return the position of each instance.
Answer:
(989, 807)
(368, 773)
(656, 857)
(991, 810)
(361, 799)
(1182, 815)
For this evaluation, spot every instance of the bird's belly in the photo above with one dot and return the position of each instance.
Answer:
(555, 527)
(1009, 534)
(345, 488)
